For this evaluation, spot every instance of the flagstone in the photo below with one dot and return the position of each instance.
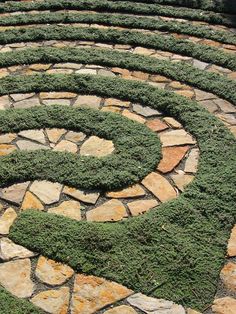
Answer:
(4, 103)
(96, 146)
(55, 134)
(27, 103)
(171, 157)
(84, 196)
(36, 135)
(156, 125)
(75, 136)
(69, 209)
(181, 180)
(6, 220)
(18, 97)
(57, 101)
(228, 276)
(39, 67)
(66, 146)
(7, 138)
(141, 206)
(172, 122)
(232, 243)
(88, 101)
(116, 102)
(14, 193)
(145, 111)
(6, 149)
(133, 116)
(122, 309)
(226, 305)
(176, 137)
(29, 145)
(10, 250)
(56, 95)
(132, 191)
(31, 202)
(192, 161)
(47, 192)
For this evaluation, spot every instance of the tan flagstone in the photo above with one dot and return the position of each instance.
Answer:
(171, 157)
(132, 191)
(141, 206)
(55, 134)
(228, 276)
(6, 220)
(6, 149)
(31, 202)
(84, 196)
(232, 243)
(14, 193)
(226, 305)
(122, 309)
(69, 209)
(10, 250)
(47, 192)
(96, 146)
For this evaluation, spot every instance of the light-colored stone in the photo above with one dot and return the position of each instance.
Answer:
(31, 202)
(68, 65)
(91, 294)
(159, 186)
(27, 103)
(75, 136)
(10, 250)
(51, 272)
(226, 305)
(14, 193)
(6, 220)
(232, 243)
(96, 146)
(88, 101)
(116, 102)
(29, 145)
(4, 102)
(15, 277)
(56, 95)
(69, 209)
(172, 122)
(192, 161)
(36, 135)
(6, 149)
(144, 51)
(152, 305)
(176, 137)
(145, 111)
(156, 125)
(141, 206)
(228, 276)
(66, 146)
(47, 192)
(181, 180)
(39, 67)
(132, 191)
(112, 210)
(53, 301)
(199, 64)
(59, 102)
(190, 311)
(55, 134)
(7, 138)
(201, 95)
(225, 106)
(133, 116)
(122, 309)
(171, 157)
(84, 196)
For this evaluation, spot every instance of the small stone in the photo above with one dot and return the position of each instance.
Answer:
(172, 122)
(66, 146)
(201, 95)
(225, 106)
(190, 311)
(91, 294)
(47, 192)
(140, 75)
(27, 103)
(96, 146)
(31, 202)
(133, 116)
(156, 125)
(153, 305)
(7, 138)
(181, 180)
(14, 193)
(159, 186)
(186, 93)
(104, 72)
(15, 277)
(10, 250)
(112, 210)
(18, 97)
(143, 51)
(226, 305)
(6, 220)
(75, 136)
(111, 109)
(116, 103)
(36, 135)
(51, 272)
(4, 103)
(145, 111)
(199, 64)
(59, 102)
(6, 149)
(192, 161)
(55, 134)
(53, 301)
(84, 196)
(87, 71)
(228, 276)
(171, 157)
(57, 95)
(29, 145)
(228, 119)
(132, 191)
(176, 137)
(122, 309)
(39, 67)
(232, 243)
(159, 79)
(141, 206)
(178, 85)
(209, 105)
(69, 209)
(88, 101)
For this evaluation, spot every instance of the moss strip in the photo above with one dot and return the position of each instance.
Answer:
(167, 43)
(122, 20)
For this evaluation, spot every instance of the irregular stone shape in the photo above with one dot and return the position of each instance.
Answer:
(225, 305)
(201, 95)
(106, 73)
(186, 93)
(31, 202)
(51, 272)
(4, 102)
(116, 103)
(199, 64)
(7, 138)
(10, 250)
(84, 196)
(111, 109)
(190, 311)
(6, 149)
(112, 210)
(192, 161)
(68, 65)
(151, 305)
(55, 134)
(36, 135)
(176, 137)
(140, 75)
(143, 51)
(228, 276)
(132, 191)
(53, 301)
(209, 105)
(171, 157)
(27, 103)
(29, 145)
(87, 71)
(69, 209)
(225, 106)
(122, 309)
(14, 193)
(145, 111)
(91, 293)
(6, 220)
(141, 206)
(159, 186)
(133, 116)
(156, 125)
(96, 146)
(60, 102)
(75, 136)
(39, 66)
(181, 180)
(15, 277)
(232, 243)
(47, 192)
(88, 101)
(56, 95)
(66, 146)
(172, 122)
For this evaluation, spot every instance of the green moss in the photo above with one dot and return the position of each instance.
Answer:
(124, 21)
